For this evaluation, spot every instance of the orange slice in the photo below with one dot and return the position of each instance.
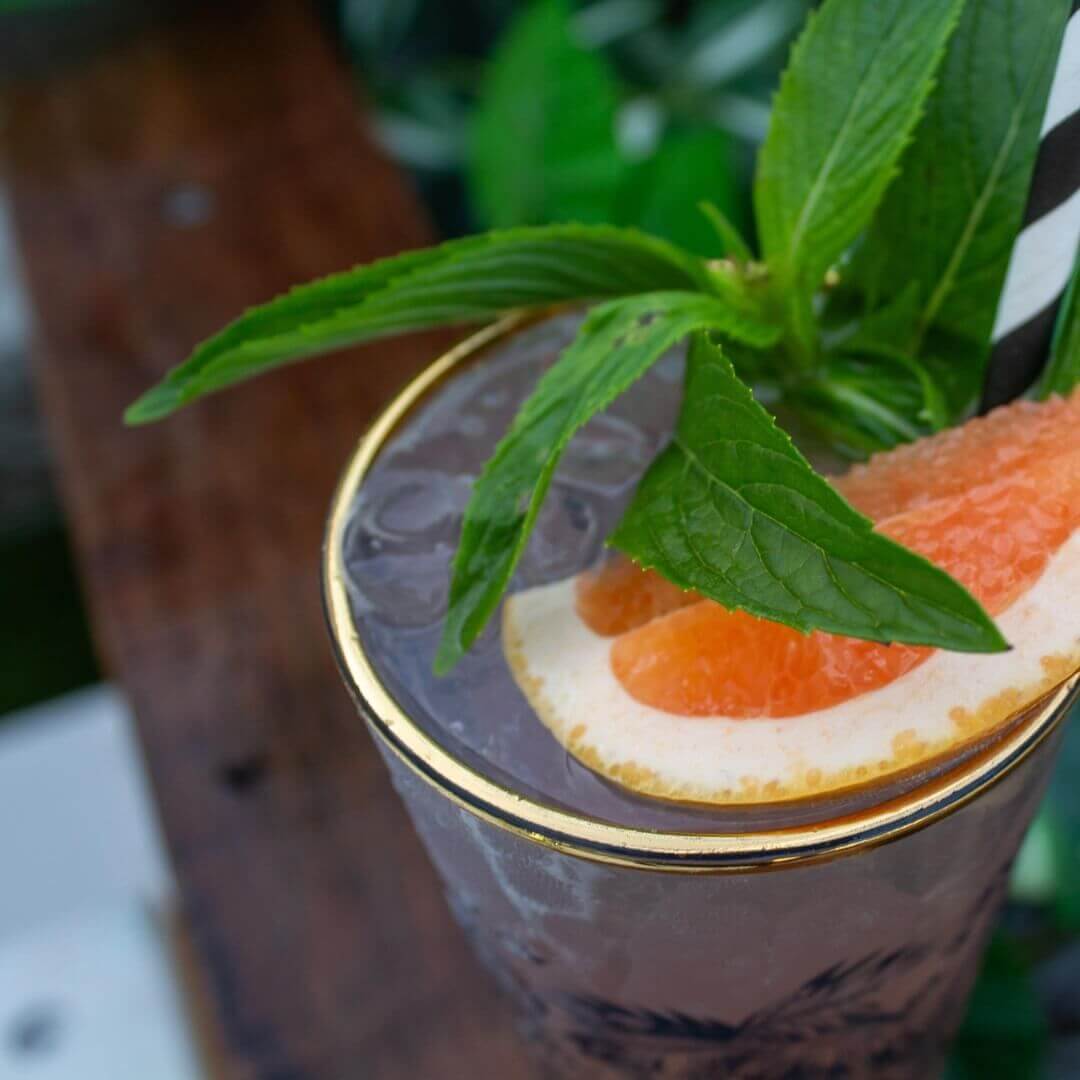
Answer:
(670, 693)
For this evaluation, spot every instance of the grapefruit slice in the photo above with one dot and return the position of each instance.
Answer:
(678, 697)
(1006, 441)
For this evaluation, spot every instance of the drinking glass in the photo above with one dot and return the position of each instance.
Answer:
(834, 937)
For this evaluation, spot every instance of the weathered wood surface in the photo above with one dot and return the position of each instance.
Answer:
(156, 192)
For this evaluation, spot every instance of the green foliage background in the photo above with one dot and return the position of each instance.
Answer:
(657, 105)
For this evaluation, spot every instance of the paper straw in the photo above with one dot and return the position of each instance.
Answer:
(1043, 256)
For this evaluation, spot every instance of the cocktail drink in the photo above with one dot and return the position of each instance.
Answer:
(832, 934)
(724, 761)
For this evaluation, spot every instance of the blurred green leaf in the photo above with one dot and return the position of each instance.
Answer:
(1063, 372)
(640, 126)
(542, 146)
(1034, 877)
(1003, 1036)
(740, 114)
(378, 24)
(714, 66)
(661, 193)
(424, 123)
(420, 145)
(606, 21)
(1062, 809)
(745, 37)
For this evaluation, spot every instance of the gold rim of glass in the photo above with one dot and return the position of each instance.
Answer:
(591, 838)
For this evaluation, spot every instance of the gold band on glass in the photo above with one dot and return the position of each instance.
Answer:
(590, 838)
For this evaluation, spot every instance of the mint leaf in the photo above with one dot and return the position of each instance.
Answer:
(543, 140)
(735, 246)
(470, 280)
(1005, 1031)
(949, 221)
(617, 343)
(866, 404)
(870, 394)
(885, 331)
(660, 193)
(732, 510)
(1062, 373)
(851, 95)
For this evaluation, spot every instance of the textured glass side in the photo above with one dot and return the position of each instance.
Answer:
(859, 966)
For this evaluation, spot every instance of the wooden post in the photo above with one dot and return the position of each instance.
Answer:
(156, 192)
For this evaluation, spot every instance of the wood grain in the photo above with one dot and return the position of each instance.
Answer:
(156, 192)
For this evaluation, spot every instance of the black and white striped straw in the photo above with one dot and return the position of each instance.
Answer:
(1045, 250)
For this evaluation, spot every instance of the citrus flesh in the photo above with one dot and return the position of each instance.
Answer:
(622, 665)
(996, 539)
(1008, 440)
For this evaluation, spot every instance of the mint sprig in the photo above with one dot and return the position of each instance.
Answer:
(948, 223)
(847, 105)
(618, 342)
(463, 281)
(730, 508)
